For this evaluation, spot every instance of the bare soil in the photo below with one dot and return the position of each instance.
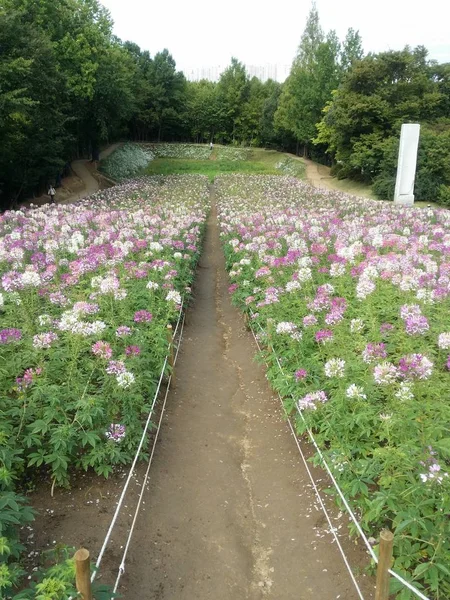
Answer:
(229, 512)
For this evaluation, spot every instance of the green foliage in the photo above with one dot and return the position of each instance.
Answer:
(361, 124)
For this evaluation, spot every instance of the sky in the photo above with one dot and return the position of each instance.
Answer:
(203, 33)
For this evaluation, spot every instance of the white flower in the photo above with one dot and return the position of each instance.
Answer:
(291, 286)
(335, 367)
(120, 294)
(174, 296)
(286, 327)
(156, 246)
(304, 274)
(31, 279)
(364, 288)
(405, 392)
(355, 391)
(444, 341)
(337, 270)
(125, 380)
(2, 300)
(152, 285)
(44, 320)
(356, 325)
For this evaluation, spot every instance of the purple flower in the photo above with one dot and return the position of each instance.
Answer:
(300, 374)
(415, 366)
(122, 331)
(10, 335)
(143, 316)
(132, 350)
(311, 400)
(116, 432)
(385, 327)
(309, 320)
(116, 367)
(416, 324)
(373, 352)
(44, 340)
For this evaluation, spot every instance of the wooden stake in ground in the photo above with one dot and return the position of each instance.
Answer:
(384, 564)
(171, 352)
(83, 573)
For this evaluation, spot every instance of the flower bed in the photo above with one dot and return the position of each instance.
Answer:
(359, 294)
(292, 167)
(232, 154)
(126, 161)
(88, 290)
(192, 151)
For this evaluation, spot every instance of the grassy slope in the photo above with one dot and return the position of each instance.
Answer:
(261, 162)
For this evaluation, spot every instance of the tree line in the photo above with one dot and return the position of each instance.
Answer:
(69, 86)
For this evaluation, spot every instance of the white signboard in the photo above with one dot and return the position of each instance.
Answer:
(407, 161)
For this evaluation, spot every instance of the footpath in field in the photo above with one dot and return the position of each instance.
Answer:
(229, 513)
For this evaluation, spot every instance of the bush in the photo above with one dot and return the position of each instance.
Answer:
(126, 161)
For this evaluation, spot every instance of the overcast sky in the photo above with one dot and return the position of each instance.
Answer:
(201, 33)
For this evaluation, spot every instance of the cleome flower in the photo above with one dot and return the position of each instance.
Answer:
(355, 391)
(385, 373)
(286, 327)
(310, 400)
(335, 367)
(116, 432)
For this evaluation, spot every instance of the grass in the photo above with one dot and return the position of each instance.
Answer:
(260, 162)
(210, 168)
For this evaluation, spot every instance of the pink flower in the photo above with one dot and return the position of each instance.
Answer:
(323, 336)
(102, 349)
(300, 374)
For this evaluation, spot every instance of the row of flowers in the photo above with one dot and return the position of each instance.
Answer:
(189, 151)
(87, 292)
(355, 297)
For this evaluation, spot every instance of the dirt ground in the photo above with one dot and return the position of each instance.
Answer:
(229, 512)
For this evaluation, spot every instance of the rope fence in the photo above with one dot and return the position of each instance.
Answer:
(171, 360)
(352, 515)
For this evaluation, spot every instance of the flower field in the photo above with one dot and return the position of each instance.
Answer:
(233, 154)
(359, 297)
(87, 292)
(189, 151)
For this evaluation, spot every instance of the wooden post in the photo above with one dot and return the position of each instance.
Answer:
(83, 573)
(384, 564)
(171, 352)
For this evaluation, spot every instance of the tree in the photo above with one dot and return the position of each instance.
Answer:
(232, 92)
(361, 125)
(314, 74)
(352, 50)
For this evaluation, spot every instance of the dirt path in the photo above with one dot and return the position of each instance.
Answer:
(318, 175)
(229, 512)
(79, 167)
